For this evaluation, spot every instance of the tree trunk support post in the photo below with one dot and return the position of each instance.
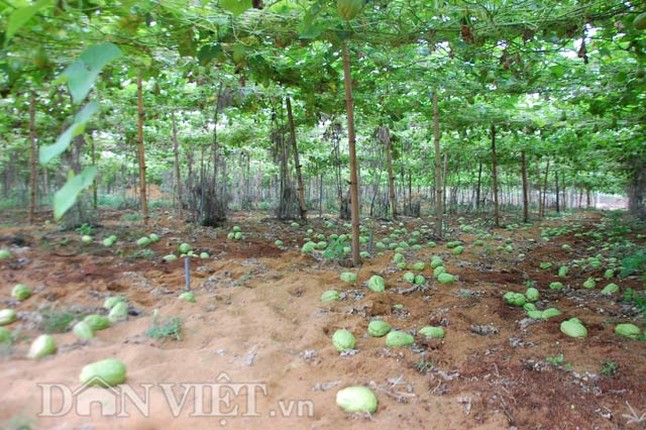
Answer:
(142, 156)
(178, 179)
(33, 164)
(354, 179)
(494, 173)
(385, 135)
(439, 186)
(297, 164)
(523, 163)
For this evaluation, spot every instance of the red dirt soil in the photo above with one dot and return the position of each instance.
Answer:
(258, 322)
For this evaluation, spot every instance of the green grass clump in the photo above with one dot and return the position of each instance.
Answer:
(637, 299)
(170, 329)
(131, 217)
(634, 264)
(56, 321)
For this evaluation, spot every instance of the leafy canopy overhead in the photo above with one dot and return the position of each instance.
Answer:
(533, 68)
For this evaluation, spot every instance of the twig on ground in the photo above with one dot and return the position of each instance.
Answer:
(633, 417)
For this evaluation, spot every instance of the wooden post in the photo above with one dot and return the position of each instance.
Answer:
(33, 163)
(354, 179)
(494, 173)
(439, 186)
(547, 170)
(385, 135)
(142, 157)
(178, 179)
(525, 188)
(297, 164)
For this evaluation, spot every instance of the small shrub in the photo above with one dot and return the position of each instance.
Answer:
(637, 299)
(155, 204)
(170, 329)
(608, 368)
(19, 422)
(335, 249)
(147, 254)
(424, 366)
(634, 264)
(85, 229)
(118, 201)
(131, 217)
(558, 361)
(55, 321)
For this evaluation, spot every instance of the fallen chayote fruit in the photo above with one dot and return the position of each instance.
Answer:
(83, 331)
(556, 286)
(432, 332)
(529, 307)
(445, 278)
(610, 289)
(457, 250)
(343, 340)
(111, 301)
(118, 312)
(7, 316)
(330, 296)
(21, 292)
(376, 284)
(628, 330)
(551, 312)
(573, 328)
(436, 262)
(169, 257)
(378, 328)
(514, 299)
(104, 373)
(398, 338)
(308, 248)
(144, 241)
(187, 296)
(357, 399)
(349, 277)
(419, 266)
(97, 322)
(535, 314)
(43, 346)
(532, 294)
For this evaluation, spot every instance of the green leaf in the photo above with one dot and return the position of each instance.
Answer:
(310, 29)
(20, 16)
(208, 53)
(47, 153)
(558, 71)
(186, 43)
(50, 151)
(97, 56)
(86, 113)
(81, 74)
(236, 7)
(66, 196)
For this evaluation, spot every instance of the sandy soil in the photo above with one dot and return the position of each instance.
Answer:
(255, 350)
